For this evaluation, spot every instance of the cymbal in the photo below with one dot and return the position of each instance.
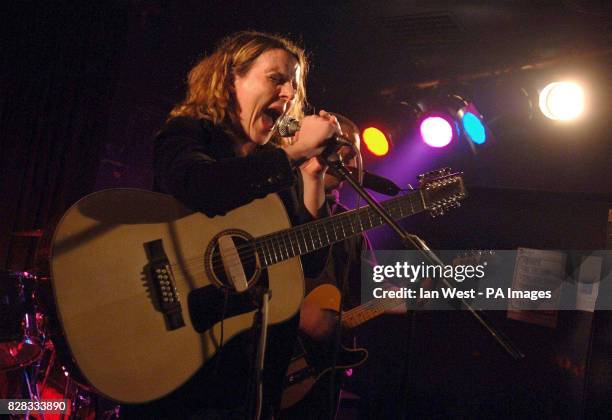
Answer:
(36, 233)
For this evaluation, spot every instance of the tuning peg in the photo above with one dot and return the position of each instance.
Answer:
(436, 211)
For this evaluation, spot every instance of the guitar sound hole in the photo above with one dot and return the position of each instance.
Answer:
(248, 261)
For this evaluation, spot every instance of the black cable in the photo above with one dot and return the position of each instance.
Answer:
(332, 403)
(221, 339)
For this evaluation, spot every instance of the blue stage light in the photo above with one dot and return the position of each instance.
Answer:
(474, 128)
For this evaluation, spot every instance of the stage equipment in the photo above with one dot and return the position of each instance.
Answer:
(442, 119)
(473, 124)
(21, 333)
(437, 129)
(562, 101)
(376, 141)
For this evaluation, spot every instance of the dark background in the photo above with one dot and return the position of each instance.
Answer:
(84, 87)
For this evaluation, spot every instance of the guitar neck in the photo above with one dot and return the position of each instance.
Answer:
(370, 310)
(279, 246)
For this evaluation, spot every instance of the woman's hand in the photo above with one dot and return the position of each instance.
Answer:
(312, 138)
(310, 141)
(313, 169)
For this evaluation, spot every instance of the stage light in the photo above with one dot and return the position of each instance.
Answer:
(474, 128)
(437, 129)
(376, 141)
(472, 124)
(562, 101)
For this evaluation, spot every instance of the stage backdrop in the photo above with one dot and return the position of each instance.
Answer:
(56, 86)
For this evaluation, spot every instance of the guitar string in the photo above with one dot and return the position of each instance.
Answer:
(351, 220)
(355, 221)
(366, 307)
(369, 309)
(348, 219)
(372, 308)
(255, 250)
(199, 269)
(217, 263)
(258, 244)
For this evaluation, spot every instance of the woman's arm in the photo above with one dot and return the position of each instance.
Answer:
(195, 163)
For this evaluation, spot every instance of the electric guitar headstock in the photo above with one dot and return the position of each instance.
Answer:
(475, 256)
(441, 190)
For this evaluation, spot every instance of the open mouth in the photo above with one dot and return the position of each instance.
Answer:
(270, 116)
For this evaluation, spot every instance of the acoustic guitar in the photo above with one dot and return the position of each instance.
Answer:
(146, 288)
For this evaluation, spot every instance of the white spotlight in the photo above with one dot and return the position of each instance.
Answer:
(562, 101)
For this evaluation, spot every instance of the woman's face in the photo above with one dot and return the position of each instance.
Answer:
(265, 92)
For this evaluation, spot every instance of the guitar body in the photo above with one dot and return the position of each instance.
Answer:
(315, 360)
(147, 290)
(107, 301)
(313, 366)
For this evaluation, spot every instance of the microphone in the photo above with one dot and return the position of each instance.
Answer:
(287, 126)
(374, 182)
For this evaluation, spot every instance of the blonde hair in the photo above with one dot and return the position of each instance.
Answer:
(210, 81)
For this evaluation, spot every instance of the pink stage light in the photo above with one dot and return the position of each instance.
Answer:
(436, 131)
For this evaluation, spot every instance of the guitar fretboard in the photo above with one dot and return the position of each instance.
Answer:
(363, 313)
(300, 240)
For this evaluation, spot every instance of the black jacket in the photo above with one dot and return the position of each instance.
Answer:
(194, 161)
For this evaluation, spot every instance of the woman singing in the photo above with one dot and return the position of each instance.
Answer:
(214, 155)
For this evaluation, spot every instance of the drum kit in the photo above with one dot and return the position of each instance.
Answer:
(35, 361)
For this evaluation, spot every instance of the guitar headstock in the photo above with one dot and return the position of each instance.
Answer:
(474, 257)
(442, 190)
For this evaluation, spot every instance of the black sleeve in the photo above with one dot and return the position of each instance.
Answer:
(188, 165)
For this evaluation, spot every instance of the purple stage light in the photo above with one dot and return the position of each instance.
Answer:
(437, 130)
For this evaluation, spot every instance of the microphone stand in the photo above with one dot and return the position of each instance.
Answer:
(411, 241)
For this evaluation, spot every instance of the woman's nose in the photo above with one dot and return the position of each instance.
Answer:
(288, 91)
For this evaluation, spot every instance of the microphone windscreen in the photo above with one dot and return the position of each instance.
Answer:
(287, 126)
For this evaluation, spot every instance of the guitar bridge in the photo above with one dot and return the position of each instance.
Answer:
(164, 291)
